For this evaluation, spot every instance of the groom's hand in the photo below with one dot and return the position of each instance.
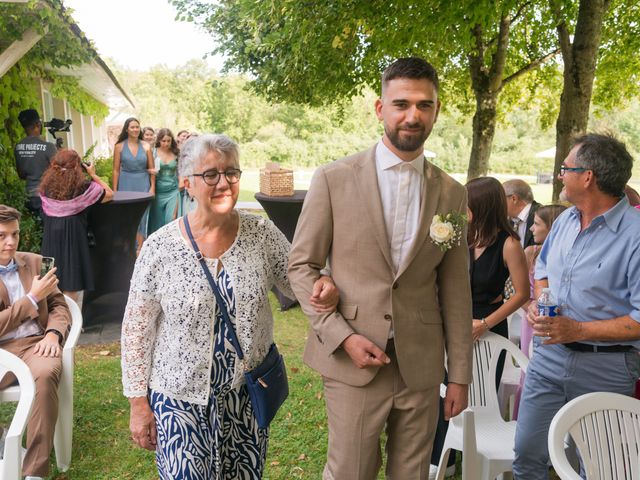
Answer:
(456, 399)
(363, 352)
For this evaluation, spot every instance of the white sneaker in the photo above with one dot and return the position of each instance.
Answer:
(433, 471)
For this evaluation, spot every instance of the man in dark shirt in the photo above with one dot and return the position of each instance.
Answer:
(33, 156)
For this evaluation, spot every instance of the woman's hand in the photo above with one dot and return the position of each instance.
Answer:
(324, 297)
(532, 313)
(142, 424)
(90, 168)
(479, 329)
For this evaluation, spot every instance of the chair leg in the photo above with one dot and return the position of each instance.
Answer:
(62, 442)
(62, 438)
(442, 464)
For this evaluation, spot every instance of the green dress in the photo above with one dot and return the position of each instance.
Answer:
(166, 206)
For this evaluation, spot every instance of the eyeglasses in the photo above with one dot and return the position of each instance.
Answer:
(564, 169)
(212, 177)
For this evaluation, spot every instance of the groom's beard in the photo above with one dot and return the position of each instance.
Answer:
(408, 137)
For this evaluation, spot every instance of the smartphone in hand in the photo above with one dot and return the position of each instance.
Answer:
(47, 264)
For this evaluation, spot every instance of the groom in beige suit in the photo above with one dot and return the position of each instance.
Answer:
(404, 302)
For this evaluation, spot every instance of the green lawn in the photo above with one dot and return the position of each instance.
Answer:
(101, 445)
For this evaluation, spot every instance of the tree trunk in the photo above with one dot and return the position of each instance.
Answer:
(484, 129)
(580, 60)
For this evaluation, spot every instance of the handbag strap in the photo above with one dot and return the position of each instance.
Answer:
(214, 287)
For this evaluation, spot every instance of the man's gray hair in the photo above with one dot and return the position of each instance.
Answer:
(608, 159)
(196, 148)
(520, 188)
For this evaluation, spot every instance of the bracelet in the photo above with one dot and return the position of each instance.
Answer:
(58, 334)
(484, 322)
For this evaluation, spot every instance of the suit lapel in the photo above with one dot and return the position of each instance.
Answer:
(428, 207)
(367, 182)
(24, 272)
(528, 234)
(4, 294)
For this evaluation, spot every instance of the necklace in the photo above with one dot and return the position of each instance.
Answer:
(215, 248)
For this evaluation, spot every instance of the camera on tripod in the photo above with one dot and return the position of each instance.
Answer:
(56, 125)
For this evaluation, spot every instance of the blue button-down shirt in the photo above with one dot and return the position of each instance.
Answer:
(594, 274)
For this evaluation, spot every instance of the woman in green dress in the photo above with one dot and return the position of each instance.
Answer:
(166, 205)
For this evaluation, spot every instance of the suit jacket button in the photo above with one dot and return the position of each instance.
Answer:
(395, 285)
(387, 317)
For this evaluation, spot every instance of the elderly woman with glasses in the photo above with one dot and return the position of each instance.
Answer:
(180, 370)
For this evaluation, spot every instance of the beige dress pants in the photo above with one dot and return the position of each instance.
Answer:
(358, 415)
(46, 374)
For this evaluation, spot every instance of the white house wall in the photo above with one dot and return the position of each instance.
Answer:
(84, 132)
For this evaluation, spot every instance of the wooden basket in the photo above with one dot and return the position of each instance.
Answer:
(276, 181)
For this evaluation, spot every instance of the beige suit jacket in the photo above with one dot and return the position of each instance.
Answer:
(427, 302)
(52, 312)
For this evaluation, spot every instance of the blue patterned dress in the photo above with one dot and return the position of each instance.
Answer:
(219, 441)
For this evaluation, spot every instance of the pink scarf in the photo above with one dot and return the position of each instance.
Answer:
(66, 208)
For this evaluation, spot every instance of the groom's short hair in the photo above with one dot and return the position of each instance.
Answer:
(410, 67)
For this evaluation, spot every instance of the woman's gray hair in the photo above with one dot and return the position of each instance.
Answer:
(196, 148)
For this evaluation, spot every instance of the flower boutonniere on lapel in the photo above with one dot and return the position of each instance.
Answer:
(446, 230)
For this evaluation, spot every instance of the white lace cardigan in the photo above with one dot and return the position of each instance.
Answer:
(167, 331)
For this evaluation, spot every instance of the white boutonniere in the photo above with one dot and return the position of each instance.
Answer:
(446, 230)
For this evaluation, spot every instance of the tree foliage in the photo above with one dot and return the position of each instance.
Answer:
(304, 136)
(599, 41)
(316, 52)
(60, 46)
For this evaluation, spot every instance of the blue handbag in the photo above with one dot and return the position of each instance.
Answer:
(267, 384)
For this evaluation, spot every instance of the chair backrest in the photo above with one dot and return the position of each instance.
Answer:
(606, 430)
(76, 323)
(486, 352)
(10, 467)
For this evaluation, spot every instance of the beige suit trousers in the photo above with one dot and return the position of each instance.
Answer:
(46, 374)
(358, 415)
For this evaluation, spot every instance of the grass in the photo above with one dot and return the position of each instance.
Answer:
(101, 446)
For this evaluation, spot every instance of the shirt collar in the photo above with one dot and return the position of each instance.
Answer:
(611, 217)
(387, 159)
(524, 213)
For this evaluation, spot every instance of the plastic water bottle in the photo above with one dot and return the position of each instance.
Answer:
(547, 306)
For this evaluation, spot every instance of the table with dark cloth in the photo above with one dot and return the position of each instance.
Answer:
(113, 226)
(284, 213)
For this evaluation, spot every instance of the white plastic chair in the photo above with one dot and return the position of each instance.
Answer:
(480, 432)
(11, 462)
(606, 430)
(63, 436)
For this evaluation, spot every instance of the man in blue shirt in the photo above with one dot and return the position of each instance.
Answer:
(591, 263)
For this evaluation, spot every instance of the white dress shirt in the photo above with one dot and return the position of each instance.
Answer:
(522, 222)
(16, 292)
(400, 184)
